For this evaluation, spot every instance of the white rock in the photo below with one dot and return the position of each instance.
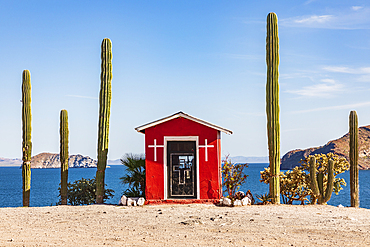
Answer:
(246, 201)
(238, 203)
(123, 201)
(221, 201)
(226, 201)
(131, 202)
(140, 201)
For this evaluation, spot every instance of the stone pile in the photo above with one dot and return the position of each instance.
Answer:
(131, 201)
(242, 199)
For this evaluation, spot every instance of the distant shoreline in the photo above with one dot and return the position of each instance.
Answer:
(9, 165)
(7, 162)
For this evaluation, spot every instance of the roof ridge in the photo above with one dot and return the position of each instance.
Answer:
(181, 114)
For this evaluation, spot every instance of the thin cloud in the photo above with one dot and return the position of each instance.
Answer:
(314, 19)
(362, 74)
(347, 70)
(329, 108)
(327, 89)
(332, 81)
(356, 17)
(81, 96)
(297, 75)
(355, 8)
(339, 69)
(364, 78)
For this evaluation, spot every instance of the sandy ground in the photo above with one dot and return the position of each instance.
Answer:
(185, 225)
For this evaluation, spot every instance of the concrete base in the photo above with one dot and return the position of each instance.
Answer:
(182, 201)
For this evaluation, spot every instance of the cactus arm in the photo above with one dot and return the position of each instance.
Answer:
(104, 115)
(353, 157)
(330, 182)
(320, 183)
(64, 156)
(314, 184)
(26, 136)
(272, 104)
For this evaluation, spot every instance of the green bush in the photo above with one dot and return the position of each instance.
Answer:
(233, 177)
(264, 199)
(295, 185)
(135, 175)
(82, 192)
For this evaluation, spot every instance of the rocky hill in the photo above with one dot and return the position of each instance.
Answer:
(10, 162)
(339, 146)
(49, 160)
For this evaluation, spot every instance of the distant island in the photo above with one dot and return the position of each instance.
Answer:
(10, 162)
(50, 160)
(339, 146)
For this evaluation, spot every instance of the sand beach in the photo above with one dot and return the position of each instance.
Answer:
(185, 225)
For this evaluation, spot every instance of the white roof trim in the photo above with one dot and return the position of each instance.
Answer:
(181, 114)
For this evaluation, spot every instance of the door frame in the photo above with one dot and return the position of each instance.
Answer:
(180, 138)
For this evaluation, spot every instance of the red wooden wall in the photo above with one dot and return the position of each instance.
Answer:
(209, 171)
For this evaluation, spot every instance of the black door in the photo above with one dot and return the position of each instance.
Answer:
(181, 168)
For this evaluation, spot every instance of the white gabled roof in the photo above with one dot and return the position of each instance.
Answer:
(183, 115)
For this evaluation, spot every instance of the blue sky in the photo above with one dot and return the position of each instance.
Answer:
(205, 58)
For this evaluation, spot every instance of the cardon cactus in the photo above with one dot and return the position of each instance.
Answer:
(64, 155)
(317, 182)
(26, 136)
(272, 104)
(104, 114)
(353, 157)
(314, 184)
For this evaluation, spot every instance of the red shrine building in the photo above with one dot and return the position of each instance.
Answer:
(182, 160)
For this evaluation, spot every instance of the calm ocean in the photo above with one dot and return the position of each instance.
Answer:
(45, 182)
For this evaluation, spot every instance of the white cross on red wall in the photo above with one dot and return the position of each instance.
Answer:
(155, 146)
(206, 148)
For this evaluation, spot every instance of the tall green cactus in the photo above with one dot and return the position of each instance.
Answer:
(353, 157)
(64, 155)
(104, 114)
(26, 136)
(272, 104)
(317, 182)
(314, 184)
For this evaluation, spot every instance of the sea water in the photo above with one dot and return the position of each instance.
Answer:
(343, 197)
(45, 183)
